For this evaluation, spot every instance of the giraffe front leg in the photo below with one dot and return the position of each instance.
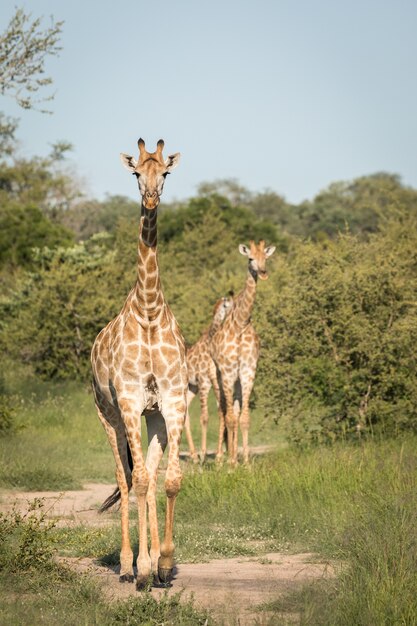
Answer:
(131, 409)
(174, 415)
(204, 418)
(190, 442)
(231, 421)
(221, 409)
(157, 437)
(244, 420)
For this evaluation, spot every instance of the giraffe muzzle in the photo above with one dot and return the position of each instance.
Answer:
(151, 200)
(263, 274)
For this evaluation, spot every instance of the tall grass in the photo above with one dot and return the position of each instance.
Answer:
(355, 504)
(35, 589)
(58, 442)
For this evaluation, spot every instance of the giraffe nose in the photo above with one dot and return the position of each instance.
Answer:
(151, 195)
(263, 274)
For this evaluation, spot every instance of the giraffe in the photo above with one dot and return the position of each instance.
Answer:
(235, 350)
(139, 368)
(202, 376)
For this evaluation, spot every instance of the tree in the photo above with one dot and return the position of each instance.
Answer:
(360, 206)
(23, 228)
(24, 47)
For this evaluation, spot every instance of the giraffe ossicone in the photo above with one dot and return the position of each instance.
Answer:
(139, 368)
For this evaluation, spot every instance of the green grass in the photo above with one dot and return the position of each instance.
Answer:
(59, 443)
(262, 431)
(354, 504)
(35, 589)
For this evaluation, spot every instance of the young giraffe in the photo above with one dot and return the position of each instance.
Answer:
(139, 367)
(235, 350)
(202, 376)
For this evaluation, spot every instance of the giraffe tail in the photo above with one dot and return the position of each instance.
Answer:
(115, 496)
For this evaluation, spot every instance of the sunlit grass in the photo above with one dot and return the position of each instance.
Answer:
(60, 444)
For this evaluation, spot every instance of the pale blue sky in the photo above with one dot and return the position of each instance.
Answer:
(280, 94)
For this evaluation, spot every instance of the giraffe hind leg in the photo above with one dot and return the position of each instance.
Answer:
(113, 425)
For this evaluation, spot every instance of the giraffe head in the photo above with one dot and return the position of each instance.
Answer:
(222, 308)
(257, 255)
(150, 170)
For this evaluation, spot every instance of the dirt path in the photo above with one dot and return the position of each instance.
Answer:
(230, 588)
(226, 586)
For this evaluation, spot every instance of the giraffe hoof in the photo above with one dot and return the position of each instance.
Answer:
(126, 578)
(160, 584)
(143, 583)
(165, 576)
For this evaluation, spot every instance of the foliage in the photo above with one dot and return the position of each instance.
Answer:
(168, 610)
(39, 182)
(25, 539)
(23, 228)
(336, 317)
(24, 47)
(353, 504)
(377, 582)
(359, 206)
(338, 321)
(89, 217)
(61, 310)
(7, 415)
(76, 291)
(8, 126)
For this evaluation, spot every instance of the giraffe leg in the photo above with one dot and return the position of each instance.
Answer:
(204, 418)
(131, 409)
(157, 438)
(221, 406)
(173, 410)
(114, 427)
(231, 420)
(193, 454)
(248, 379)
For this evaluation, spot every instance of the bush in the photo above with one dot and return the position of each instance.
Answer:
(337, 323)
(25, 539)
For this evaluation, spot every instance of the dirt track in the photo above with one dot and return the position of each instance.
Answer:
(225, 586)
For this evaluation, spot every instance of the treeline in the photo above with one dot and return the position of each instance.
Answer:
(337, 318)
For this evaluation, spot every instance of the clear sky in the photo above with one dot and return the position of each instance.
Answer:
(289, 95)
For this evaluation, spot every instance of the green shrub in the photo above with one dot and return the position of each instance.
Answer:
(25, 539)
(337, 324)
(7, 415)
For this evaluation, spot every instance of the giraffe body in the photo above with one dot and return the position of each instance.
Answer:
(235, 350)
(139, 368)
(202, 375)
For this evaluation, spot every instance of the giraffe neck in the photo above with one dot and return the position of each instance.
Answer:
(244, 302)
(148, 293)
(215, 324)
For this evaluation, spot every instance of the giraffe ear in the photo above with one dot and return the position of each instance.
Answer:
(172, 161)
(243, 249)
(128, 162)
(269, 251)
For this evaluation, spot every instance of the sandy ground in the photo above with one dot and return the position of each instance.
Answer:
(228, 587)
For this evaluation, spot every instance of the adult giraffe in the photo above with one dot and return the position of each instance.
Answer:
(235, 351)
(139, 367)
